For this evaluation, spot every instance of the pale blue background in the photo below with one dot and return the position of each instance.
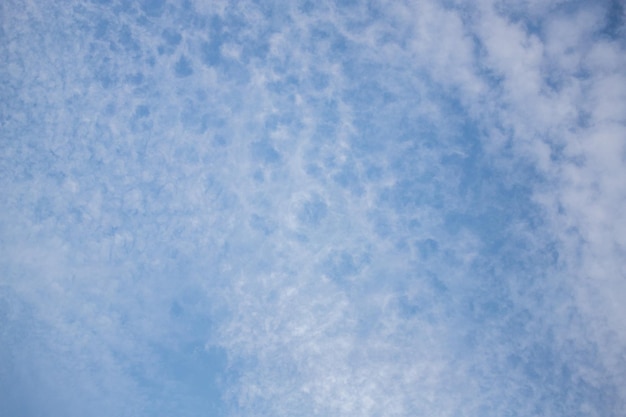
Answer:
(348, 208)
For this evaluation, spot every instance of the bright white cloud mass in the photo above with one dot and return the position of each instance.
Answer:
(324, 208)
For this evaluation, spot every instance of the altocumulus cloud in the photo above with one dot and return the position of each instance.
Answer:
(302, 208)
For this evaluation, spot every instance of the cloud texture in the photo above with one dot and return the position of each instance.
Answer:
(341, 208)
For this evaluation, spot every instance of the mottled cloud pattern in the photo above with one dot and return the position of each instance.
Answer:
(343, 208)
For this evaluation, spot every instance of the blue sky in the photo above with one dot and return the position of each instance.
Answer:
(349, 208)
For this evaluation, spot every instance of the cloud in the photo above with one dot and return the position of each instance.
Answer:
(312, 209)
(573, 140)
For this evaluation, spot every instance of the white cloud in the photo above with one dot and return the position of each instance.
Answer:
(383, 209)
(583, 161)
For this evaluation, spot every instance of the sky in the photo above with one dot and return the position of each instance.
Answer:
(312, 208)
